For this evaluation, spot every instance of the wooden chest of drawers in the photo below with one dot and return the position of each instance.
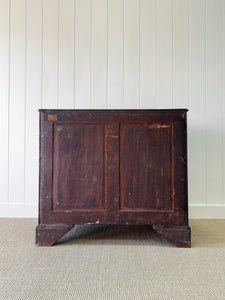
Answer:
(113, 167)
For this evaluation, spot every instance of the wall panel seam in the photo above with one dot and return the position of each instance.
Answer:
(172, 33)
(205, 94)
(25, 101)
(91, 55)
(107, 52)
(123, 59)
(139, 56)
(222, 92)
(9, 94)
(58, 57)
(74, 54)
(156, 56)
(42, 45)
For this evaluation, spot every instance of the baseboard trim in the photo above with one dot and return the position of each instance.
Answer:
(25, 210)
(198, 211)
(18, 210)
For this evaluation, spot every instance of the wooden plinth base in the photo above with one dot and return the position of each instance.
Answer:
(47, 235)
(178, 236)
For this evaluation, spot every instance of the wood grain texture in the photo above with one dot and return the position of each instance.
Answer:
(146, 166)
(113, 167)
(47, 235)
(112, 163)
(178, 236)
(45, 168)
(78, 166)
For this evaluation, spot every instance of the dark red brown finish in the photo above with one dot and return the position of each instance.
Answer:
(78, 160)
(146, 158)
(178, 236)
(113, 167)
(47, 235)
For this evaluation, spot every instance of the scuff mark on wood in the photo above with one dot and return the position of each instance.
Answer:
(52, 118)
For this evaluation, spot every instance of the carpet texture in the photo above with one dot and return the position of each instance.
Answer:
(112, 262)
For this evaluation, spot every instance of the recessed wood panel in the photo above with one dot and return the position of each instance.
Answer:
(146, 167)
(78, 167)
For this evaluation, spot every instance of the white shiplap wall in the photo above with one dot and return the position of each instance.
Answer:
(112, 54)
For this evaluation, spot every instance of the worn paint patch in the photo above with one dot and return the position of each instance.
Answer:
(158, 125)
(52, 118)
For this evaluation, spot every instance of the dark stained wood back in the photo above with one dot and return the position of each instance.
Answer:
(146, 169)
(113, 167)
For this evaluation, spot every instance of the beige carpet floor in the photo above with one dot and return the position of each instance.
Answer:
(112, 262)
